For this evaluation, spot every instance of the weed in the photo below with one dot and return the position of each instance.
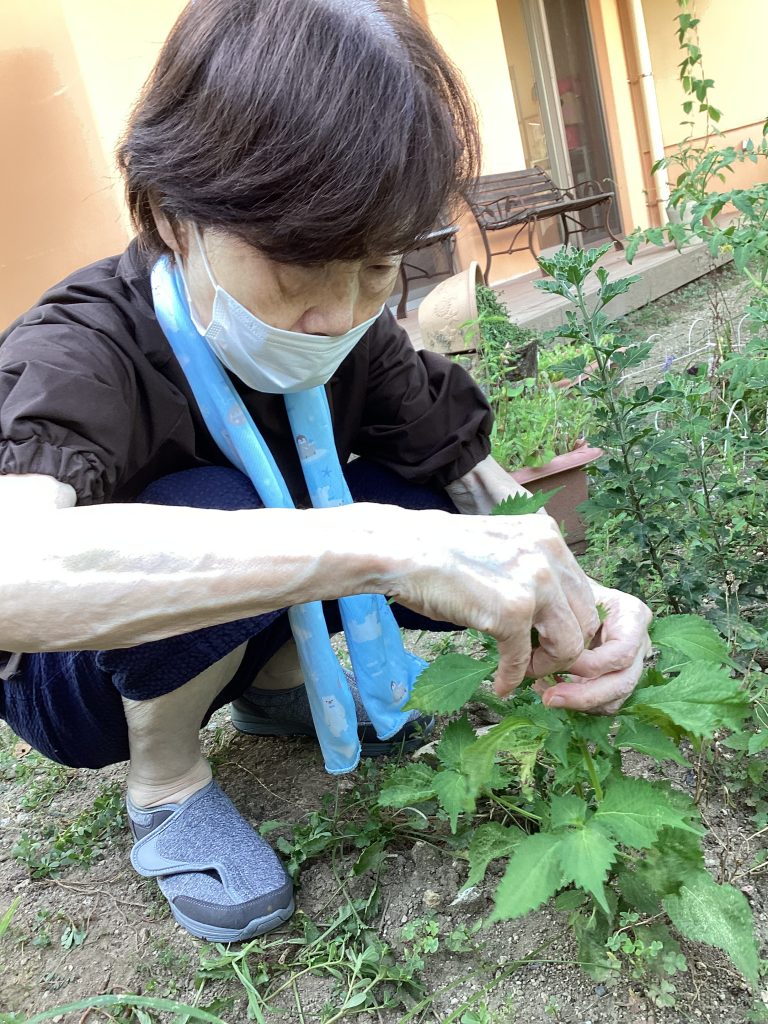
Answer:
(650, 955)
(81, 842)
(39, 779)
(364, 970)
(349, 820)
(421, 940)
(571, 821)
(72, 937)
(7, 918)
(552, 1008)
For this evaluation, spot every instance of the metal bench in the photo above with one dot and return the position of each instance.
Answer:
(520, 199)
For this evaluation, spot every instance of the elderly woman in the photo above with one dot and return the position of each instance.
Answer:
(283, 155)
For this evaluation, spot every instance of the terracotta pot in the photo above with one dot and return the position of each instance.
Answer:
(446, 308)
(569, 472)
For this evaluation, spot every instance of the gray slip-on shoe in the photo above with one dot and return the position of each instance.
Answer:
(222, 880)
(252, 714)
(278, 705)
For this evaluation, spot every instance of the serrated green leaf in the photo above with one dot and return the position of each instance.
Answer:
(701, 700)
(683, 639)
(648, 739)
(571, 899)
(456, 738)
(634, 811)
(489, 842)
(523, 504)
(512, 734)
(412, 784)
(636, 891)
(592, 728)
(586, 855)
(558, 744)
(674, 856)
(758, 742)
(533, 875)
(718, 915)
(453, 794)
(566, 811)
(448, 683)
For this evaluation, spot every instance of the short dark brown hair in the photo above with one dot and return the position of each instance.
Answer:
(312, 129)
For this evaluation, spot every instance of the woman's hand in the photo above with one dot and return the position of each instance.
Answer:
(602, 678)
(504, 575)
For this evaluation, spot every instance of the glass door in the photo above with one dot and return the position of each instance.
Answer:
(557, 98)
(578, 90)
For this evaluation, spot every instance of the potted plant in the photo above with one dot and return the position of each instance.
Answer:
(539, 434)
(540, 425)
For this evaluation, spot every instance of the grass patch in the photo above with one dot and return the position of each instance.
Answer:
(81, 842)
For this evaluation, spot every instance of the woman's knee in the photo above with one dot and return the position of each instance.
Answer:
(220, 487)
(369, 481)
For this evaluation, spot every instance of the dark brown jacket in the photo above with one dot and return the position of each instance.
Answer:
(91, 394)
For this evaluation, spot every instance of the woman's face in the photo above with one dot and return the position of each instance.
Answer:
(329, 299)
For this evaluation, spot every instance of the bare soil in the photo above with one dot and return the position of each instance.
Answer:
(133, 945)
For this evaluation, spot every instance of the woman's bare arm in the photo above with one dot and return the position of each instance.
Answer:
(118, 575)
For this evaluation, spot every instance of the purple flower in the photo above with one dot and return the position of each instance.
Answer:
(667, 364)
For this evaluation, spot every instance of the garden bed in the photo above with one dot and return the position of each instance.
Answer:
(125, 940)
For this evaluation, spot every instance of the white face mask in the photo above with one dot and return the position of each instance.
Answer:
(268, 358)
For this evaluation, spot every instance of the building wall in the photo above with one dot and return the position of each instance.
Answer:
(627, 149)
(731, 36)
(71, 69)
(471, 35)
(69, 73)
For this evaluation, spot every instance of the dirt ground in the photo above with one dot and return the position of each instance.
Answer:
(103, 929)
(132, 944)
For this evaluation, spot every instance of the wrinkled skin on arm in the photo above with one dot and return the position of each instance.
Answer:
(108, 576)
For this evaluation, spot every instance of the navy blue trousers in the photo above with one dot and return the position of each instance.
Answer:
(68, 705)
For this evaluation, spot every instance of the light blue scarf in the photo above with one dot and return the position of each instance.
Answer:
(384, 671)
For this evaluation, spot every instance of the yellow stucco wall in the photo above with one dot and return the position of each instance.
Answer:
(471, 35)
(731, 37)
(69, 73)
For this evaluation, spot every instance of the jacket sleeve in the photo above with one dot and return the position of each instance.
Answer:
(67, 399)
(424, 416)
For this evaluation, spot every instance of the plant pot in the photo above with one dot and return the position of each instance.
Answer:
(567, 471)
(449, 306)
(682, 213)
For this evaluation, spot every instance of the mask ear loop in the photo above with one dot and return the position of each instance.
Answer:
(183, 274)
(204, 255)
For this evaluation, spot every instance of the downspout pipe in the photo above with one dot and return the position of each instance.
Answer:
(650, 104)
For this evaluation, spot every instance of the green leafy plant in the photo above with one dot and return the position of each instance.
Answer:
(700, 165)
(682, 489)
(571, 825)
(649, 954)
(534, 423)
(507, 351)
(533, 420)
(350, 824)
(570, 821)
(80, 842)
